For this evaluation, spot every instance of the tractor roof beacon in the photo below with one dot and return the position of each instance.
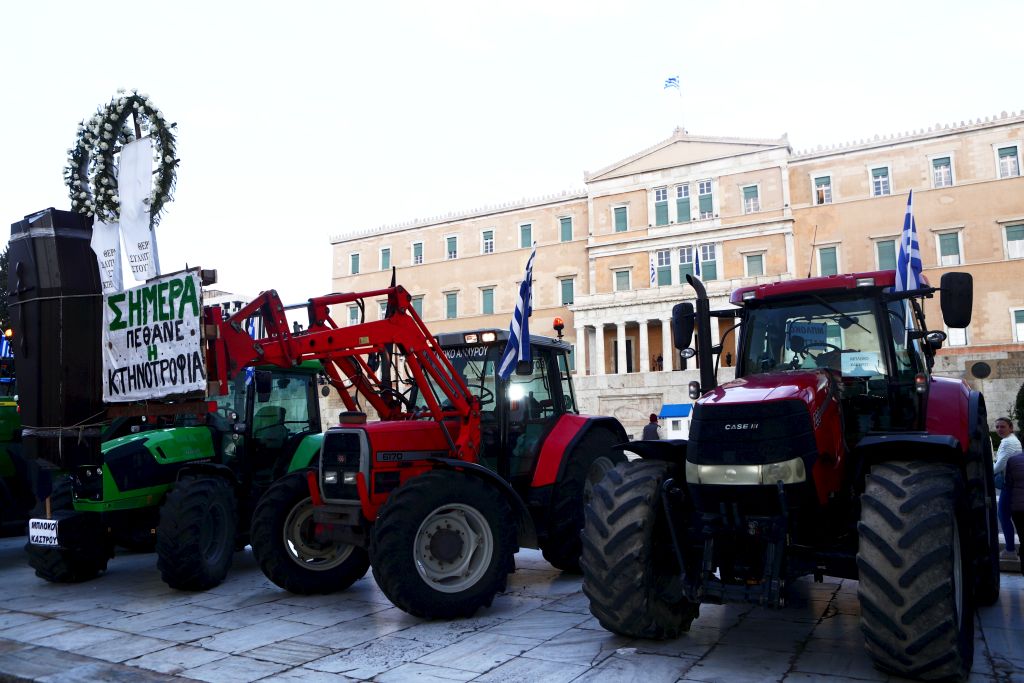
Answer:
(834, 451)
(459, 469)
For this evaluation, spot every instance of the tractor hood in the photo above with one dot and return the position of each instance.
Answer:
(808, 386)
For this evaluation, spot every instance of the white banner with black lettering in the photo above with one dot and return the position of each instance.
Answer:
(152, 341)
(106, 243)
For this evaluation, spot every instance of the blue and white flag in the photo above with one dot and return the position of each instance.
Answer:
(671, 82)
(654, 272)
(696, 261)
(250, 327)
(518, 347)
(5, 347)
(908, 262)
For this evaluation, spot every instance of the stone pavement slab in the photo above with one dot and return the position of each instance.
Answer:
(128, 626)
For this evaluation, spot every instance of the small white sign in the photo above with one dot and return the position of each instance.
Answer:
(42, 532)
(861, 364)
(812, 333)
(152, 341)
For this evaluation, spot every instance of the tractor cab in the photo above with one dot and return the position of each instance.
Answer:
(515, 414)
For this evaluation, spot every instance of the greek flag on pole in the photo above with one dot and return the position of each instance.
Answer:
(250, 327)
(5, 347)
(654, 272)
(671, 82)
(696, 261)
(518, 347)
(908, 262)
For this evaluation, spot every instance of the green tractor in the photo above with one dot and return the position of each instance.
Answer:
(16, 498)
(185, 485)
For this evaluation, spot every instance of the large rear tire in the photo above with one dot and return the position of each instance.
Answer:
(196, 536)
(443, 545)
(984, 528)
(629, 571)
(66, 565)
(284, 544)
(917, 615)
(588, 464)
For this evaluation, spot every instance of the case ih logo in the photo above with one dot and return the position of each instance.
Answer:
(742, 425)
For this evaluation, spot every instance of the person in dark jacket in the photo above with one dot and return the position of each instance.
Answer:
(651, 430)
(1014, 486)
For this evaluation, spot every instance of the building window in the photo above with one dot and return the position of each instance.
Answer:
(949, 249)
(661, 206)
(622, 281)
(828, 261)
(487, 242)
(1018, 325)
(572, 358)
(353, 315)
(565, 229)
(1009, 162)
(705, 200)
(942, 172)
(417, 253)
(353, 264)
(487, 300)
(822, 190)
(382, 310)
(751, 201)
(683, 203)
(568, 291)
(880, 185)
(451, 305)
(417, 305)
(621, 218)
(451, 247)
(956, 336)
(685, 263)
(754, 264)
(885, 250)
(664, 267)
(708, 263)
(385, 258)
(1015, 241)
(526, 235)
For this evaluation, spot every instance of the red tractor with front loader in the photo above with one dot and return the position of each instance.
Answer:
(835, 451)
(459, 470)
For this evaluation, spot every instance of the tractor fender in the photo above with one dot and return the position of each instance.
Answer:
(666, 450)
(208, 469)
(950, 403)
(526, 532)
(307, 452)
(873, 450)
(567, 433)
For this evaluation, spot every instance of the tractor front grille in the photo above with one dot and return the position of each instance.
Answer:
(751, 434)
(344, 454)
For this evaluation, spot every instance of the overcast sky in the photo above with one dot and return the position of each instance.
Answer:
(300, 121)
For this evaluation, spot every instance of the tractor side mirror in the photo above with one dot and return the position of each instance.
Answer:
(956, 299)
(682, 324)
(264, 385)
(524, 368)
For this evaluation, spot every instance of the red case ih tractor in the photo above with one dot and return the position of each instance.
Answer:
(834, 451)
(461, 469)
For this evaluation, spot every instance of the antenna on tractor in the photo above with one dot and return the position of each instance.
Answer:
(810, 261)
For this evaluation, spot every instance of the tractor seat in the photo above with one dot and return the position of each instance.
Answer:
(268, 428)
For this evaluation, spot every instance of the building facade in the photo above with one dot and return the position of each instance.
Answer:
(612, 258)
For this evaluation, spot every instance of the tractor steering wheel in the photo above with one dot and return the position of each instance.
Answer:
(486, 396)
(824, 345)
(829, 358)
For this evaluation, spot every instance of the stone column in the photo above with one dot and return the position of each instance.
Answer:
(620, 335)
(645, 360)
(581, 351)
(666, 345)
(599, 349)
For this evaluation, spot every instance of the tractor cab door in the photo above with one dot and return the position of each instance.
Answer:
(532, 404)
(280, 419)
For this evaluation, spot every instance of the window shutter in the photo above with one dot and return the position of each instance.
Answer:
(661, 213)
(567, 293)
(948, 245)
(828, 261)
(620, 219)
(385, 259)
(750, 192)
(887, 255)
(566, 224)
(705, 203)
(879, 172)
(1007, 152)
(683, 209)
(1014, 233)
(488, 301)
(822, 181)
(940, 162)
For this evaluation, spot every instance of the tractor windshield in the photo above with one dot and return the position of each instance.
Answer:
(475, 364)
(843, 335)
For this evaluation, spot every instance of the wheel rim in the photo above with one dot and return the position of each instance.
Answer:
(598, 469)
(453, 548)
(301, 545)
(211, 533)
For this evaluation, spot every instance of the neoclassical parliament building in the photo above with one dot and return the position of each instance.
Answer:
(612, 258)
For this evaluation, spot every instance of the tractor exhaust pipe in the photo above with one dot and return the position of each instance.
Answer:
(703, 319)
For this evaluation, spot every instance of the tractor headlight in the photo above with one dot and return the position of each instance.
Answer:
(348, 478)
(330, 477)
(788, 472)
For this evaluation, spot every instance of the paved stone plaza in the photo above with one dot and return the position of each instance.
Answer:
(128, 626)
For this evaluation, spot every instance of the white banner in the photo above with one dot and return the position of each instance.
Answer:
(106, 244)
(152, 341)
(135, 189)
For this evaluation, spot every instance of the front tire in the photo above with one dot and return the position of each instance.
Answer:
(195, 539)
(588, 464)
(443, 545)
(284, 544)
(629, 571)
(66, 565)
(915, 585)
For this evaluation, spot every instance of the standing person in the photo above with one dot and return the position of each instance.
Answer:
(652, 432)
(1010, 445)
(1014, 489)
